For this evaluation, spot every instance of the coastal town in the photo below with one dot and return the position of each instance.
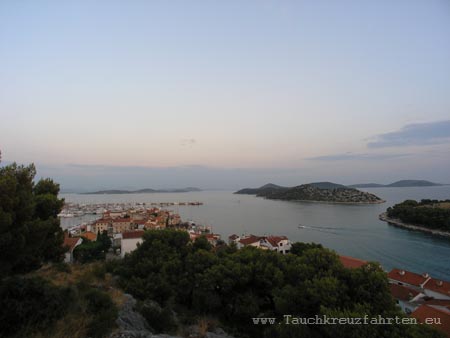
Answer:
(419, 296)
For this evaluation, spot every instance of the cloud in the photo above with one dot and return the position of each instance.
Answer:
(416, 134)
(352, 156)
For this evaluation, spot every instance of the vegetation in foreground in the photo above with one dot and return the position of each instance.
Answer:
(195, 280)
(432, 214)
(39, 295)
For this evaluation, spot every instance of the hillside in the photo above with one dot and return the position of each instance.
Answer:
(140, 191)
(311, 192)
(264, 189)
(397, 184)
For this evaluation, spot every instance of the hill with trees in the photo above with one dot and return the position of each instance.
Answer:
(430, 214)
(327, 192)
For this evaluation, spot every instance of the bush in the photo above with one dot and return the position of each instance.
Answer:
(29, 304)
(160, 319)
(103, 312)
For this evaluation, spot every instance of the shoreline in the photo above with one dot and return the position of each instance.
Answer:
(398, 223)
(326, 202)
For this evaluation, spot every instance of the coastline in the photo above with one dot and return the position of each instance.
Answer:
(398, 223)
(326, 202)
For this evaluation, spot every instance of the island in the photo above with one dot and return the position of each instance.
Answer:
(140, 191)
(398, 184)
(324, 192)
(431, 216)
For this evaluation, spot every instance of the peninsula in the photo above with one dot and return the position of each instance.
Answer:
(431, 216)
(325, 192)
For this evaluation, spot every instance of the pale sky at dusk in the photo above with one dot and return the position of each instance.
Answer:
(225, 94)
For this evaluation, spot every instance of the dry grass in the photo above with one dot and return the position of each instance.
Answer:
(92, 274)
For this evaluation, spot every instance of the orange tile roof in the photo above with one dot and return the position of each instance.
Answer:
(250, 239)
(403, 292)
(426, 311)
(351, 263)
(122, 220)
(89, 235)
(133, 234)
(407, 277)
(70, 242)
(438, 286)
(274, 240)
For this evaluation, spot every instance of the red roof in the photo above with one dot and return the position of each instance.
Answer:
(71, 242)
(438, 286)
(103, 220)
(403, 292)
(408, 277)
(250, 240)
(122, 220)
(274, 240)
(132, 234)
(351, 263)
(426, 311)
(140, 221)
(89, 235)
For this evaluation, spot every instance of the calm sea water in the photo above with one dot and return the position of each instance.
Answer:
(352, 230)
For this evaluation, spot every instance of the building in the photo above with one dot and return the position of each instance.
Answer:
(279, 244)
(437, 316)
(406, 298)
(407, 278)
(102, 224)
(437, 289)
(89, 235)
(351, 263)
(70, 243)
(120, 225)
(130, 240)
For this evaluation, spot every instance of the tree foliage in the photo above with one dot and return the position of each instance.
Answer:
(426, 213)
(237, 285)
(30, 233)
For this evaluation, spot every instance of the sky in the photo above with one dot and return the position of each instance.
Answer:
(226, 94)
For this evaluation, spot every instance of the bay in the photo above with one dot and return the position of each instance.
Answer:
(352, 230)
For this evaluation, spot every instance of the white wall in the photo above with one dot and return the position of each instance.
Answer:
(128, 245)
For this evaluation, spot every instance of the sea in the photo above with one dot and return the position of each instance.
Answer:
(351, 230)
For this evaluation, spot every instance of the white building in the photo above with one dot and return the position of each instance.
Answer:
(130, 240)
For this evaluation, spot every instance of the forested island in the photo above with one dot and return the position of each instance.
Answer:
(427, 215)
(326, 192)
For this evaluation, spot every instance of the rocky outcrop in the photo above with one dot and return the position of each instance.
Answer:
(131, 324)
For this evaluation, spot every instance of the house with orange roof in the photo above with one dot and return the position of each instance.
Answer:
(406, 298)
(435, 316)
(90, 235)
(70, 243)
(351, 262)
(437, 289)
(407, 278)
(130, 241)
(279, 244)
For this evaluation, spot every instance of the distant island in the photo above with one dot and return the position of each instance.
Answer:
(326, 192)
(140, 191)
(432, 216)
(398, 184)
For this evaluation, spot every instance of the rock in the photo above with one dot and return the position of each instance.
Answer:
(130, 322)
